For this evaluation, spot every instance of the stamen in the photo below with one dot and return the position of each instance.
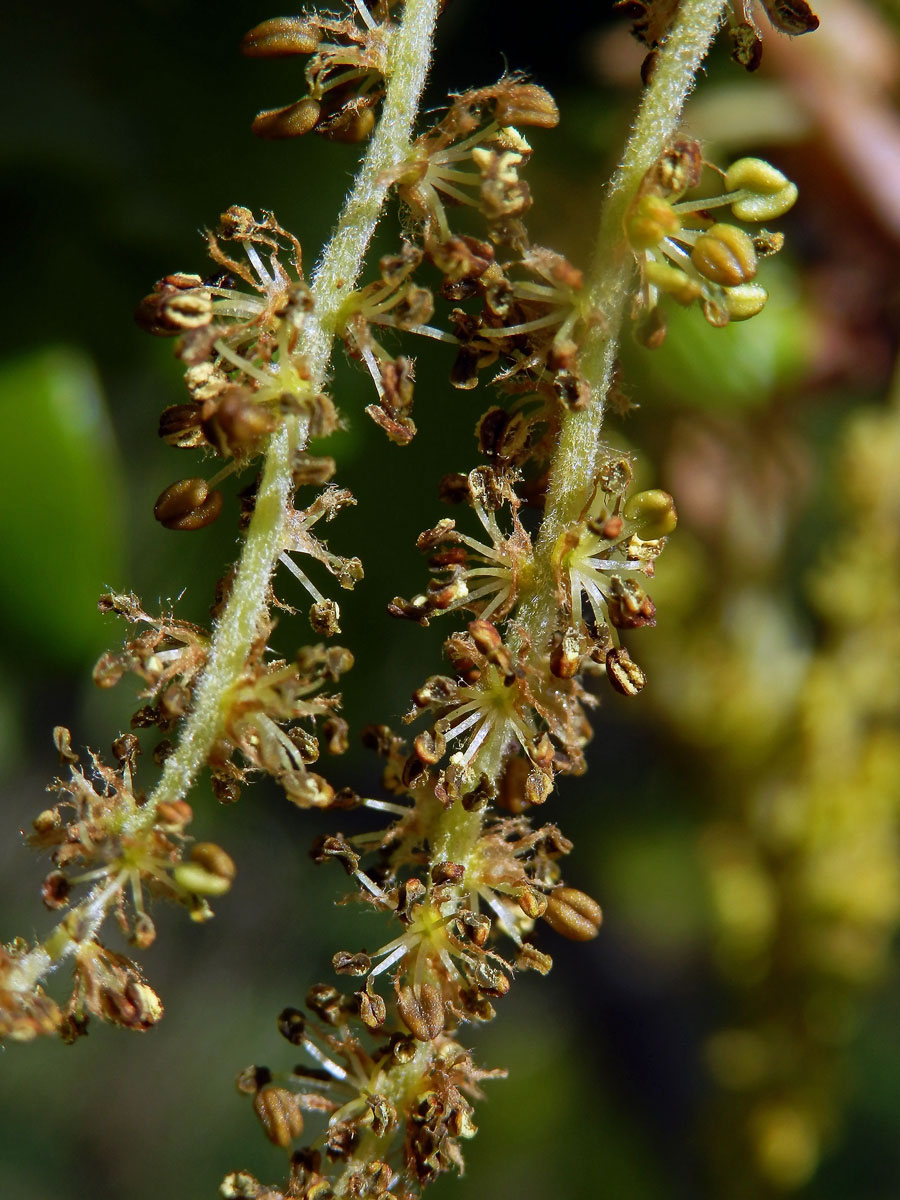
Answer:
(257, 263)
(287, 561)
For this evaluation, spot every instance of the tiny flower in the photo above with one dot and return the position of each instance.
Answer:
(484, 577)
(683, 254)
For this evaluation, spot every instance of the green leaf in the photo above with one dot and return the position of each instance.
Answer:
(62, 492)
(738, 367)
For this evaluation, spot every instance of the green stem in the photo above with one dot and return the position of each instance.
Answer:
(247, 606)
(574, 468)
(335, 275)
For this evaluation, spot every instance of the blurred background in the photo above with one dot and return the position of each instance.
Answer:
(733, 1032)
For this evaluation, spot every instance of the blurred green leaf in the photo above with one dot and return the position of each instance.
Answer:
(738, 367)
(62, 490)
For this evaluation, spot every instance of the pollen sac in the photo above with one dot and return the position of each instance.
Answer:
(623, 672)
(281, 37)
(745, 301)
(791, 16)
(526, 104)
(422, 1013)
(653, 513)
(294, 120)
(726, 255)
(573, 914)
(188, 504)
(769, 193)
(210, 871)
(746, 46)
(279, 1115)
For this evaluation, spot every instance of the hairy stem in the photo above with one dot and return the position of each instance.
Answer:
(335, 275)
(574, 467)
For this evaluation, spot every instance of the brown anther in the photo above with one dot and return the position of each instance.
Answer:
(188, 504)
(422, 1012)
(538, 786)
(430, 746)
(126, 748)
(55, 890)
(292, 1025)
(489, 642)
(174, 814)
(447, 872)
(327, 1003)
(526, 104)
(46, 822)
(345, 963)
(251, 1079)
(324, 616)
(338, 849)
(410, 893)
(281, 36)
(791, 16)
(475, 926)
(680, 167)
(532, 902)
(143, 933)
(573, 914)
(565, 654)
(372, 1009)
(530, 958)
(234, 423)
(62, 740)
(489, 980)
(623, 672)
(289, 122)
(279, 1115)
(213, 859)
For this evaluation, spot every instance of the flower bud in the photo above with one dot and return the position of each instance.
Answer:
(769, 192)
(291, 121)
(280, 37)
(573, 914)
(725, 254)
(653, 513)
(279, 1115)
(651, 220)
(745, 301)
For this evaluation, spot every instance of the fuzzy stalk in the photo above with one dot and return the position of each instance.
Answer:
(336, 273)
(334, 277)
(574, 468)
